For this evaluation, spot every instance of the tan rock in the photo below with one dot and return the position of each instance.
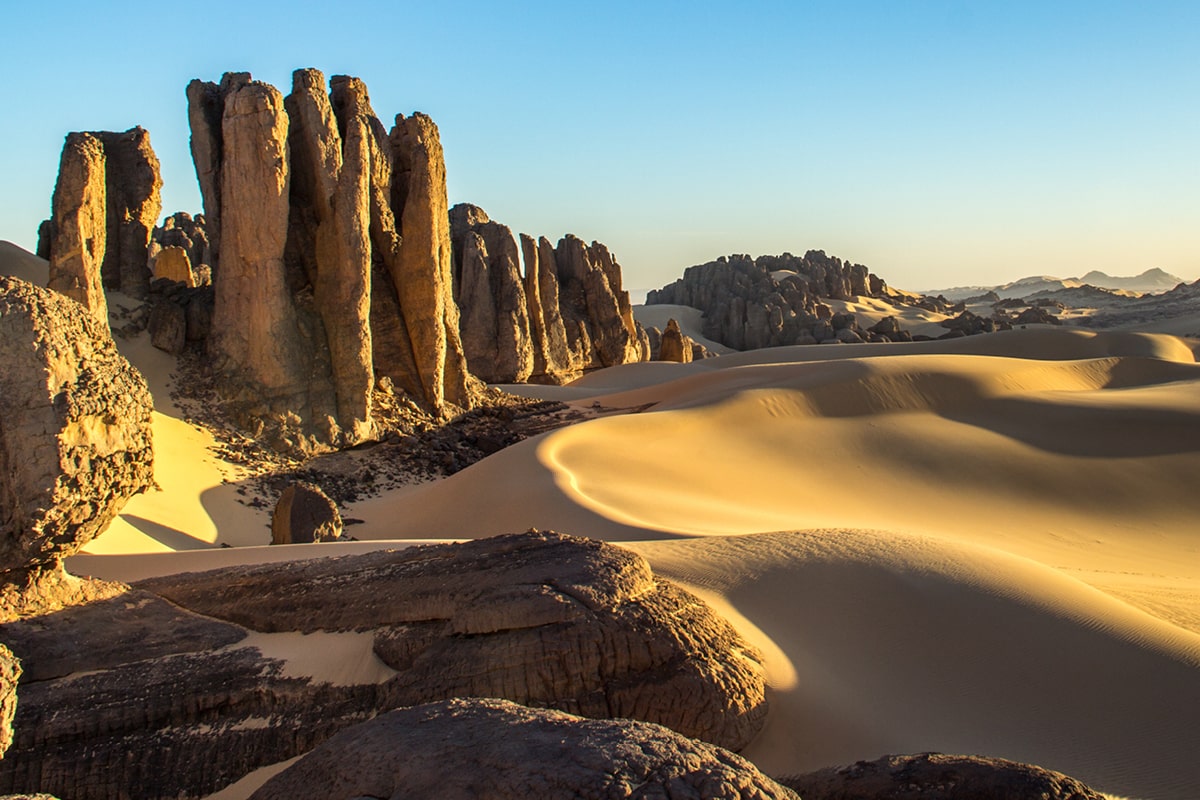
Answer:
(255, 341)
(675, 346)
(75, 441)
(173, 264)
(80, 224)
(133, 184)
(330, 193)
(560, 359)
(497, 749)
(206, 107)
(10, 673)
(423, 281)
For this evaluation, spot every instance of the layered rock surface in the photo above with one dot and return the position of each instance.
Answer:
(75, 440)
(105, 205)
(497, 749)
(933, 776)
(567, 314)
(189, 671)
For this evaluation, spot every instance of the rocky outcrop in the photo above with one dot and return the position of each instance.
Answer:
(346, 229)
(75, 441)
(181, 240)
(567, 314)
(106, 202)
(933, 776)
(497, 332)
(185, 670)
(772, 300)
(10, 673)
(305, 514)
(497, 749)
(79, 224)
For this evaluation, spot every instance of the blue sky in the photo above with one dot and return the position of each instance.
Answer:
(940, 143)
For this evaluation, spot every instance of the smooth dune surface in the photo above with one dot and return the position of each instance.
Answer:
(983, 545)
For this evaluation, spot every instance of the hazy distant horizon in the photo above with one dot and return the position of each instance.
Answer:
(940, 144)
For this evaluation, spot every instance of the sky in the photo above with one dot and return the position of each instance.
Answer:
(939, 143)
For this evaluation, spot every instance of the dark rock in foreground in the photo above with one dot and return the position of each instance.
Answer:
(933, 776)
(496, 749)
(174, 670)
(305, 514)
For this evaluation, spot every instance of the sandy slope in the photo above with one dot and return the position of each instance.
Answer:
(994, 544)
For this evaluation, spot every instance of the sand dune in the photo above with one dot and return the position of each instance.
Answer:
(990, 544)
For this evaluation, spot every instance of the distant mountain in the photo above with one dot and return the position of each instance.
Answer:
(1152, 281)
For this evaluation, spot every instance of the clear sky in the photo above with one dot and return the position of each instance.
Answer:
(940, 143)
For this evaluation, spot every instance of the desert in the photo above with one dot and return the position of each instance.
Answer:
(333, 463)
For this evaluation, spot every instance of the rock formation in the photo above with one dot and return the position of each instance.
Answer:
(106, 202)
(180, 251)
(497, 749)
(933, 776)
(10, 673)
(497, 334)
(183, 670)
(773, 300)
(329, 240)
(75, 441)
(568, 314)
(305, 514)
(675, 346)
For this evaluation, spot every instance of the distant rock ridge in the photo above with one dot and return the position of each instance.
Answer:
(105, 205)
(328, 239)
(569, 313)
(1152, 281)
(773, 300)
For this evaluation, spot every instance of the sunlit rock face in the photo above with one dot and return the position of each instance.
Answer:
(330, 246)
(201, 674)
(498, 749)
(567, 314)
(75, 440)
(106, 202)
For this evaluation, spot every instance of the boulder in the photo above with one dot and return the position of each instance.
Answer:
(497, 749)
(305, 514)
(186, 671)
(168, 326)
(933, 776)
(79, 224)
(75, 440)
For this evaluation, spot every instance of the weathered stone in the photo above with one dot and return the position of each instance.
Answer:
(423, 280)
(933, 776)
(80, 224)
(331, 223)
(494, 748)
(43, 239)
(168, 326)
(256, 342)
(173, 264)
(559, 357)
(206, 108)
(75, 440)
(675, 346)
(495, 324)
(538, 618)
(10, 673)
(133, 184)
(305, 514)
